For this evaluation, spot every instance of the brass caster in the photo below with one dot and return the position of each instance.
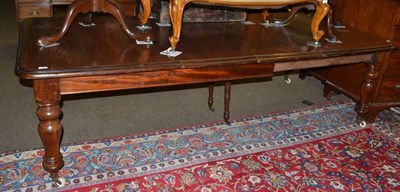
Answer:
(226, 118)
(288, 80)
(61, 181)
(211, 109)
(362, 123)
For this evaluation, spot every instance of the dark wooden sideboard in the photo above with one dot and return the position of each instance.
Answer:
(380, 18)
(45, 8)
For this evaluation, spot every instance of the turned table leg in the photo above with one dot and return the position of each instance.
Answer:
(47, 96)
(210, 97)
(367, 86)
(227, 100)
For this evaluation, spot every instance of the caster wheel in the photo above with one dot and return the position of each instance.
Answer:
(211, 109)
(61, 181)
(362, 123)
(288, 80)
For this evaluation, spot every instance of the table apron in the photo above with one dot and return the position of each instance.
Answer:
(85, 84)
(324, 62)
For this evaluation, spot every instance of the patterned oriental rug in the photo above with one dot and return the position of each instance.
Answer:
(318, 148)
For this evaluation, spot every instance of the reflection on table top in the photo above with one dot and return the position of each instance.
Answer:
(105, 49)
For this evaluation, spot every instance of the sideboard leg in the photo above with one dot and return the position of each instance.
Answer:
(210, 97)
(328, 91)
(227, 100)
(47, 96)
(367, 86)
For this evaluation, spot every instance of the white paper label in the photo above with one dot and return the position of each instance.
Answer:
(248, 22)
(170, 53)
(144, 42)
(163, 24)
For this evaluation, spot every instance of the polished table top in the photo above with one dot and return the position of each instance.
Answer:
(105, 49)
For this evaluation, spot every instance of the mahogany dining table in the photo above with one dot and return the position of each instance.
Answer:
(104, 58)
